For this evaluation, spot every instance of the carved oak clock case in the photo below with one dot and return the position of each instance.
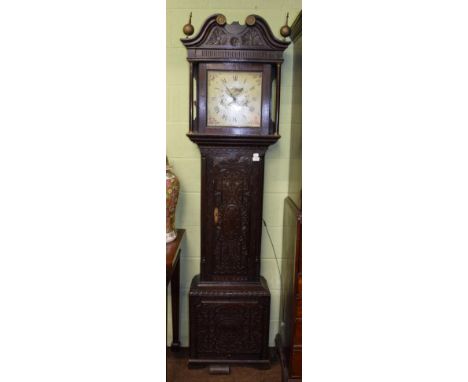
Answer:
(235, 77)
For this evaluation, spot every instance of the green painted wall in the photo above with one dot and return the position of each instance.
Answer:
(184, 155)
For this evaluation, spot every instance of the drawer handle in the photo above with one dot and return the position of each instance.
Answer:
(216, 215)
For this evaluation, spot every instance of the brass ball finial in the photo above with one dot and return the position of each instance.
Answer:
(250, 20)
(285, 30)
(188, 28)
(221, 19)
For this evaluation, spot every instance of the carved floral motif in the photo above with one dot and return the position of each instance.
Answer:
(230, 327)
(217, 37)
(250, 38)
(232, 198)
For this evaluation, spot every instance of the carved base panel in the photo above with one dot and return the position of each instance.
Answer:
(229, 322)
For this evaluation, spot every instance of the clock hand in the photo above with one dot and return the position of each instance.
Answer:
(238, 91)
(230, 92)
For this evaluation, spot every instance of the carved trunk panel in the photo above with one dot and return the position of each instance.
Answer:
(232, 197)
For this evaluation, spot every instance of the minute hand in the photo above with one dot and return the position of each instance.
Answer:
(230, 93)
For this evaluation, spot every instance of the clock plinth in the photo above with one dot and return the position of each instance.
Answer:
(229, 323)
(235, 76)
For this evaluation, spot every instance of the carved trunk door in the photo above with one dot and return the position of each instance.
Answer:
(231, 227)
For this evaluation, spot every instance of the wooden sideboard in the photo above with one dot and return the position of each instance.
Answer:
(173, 277)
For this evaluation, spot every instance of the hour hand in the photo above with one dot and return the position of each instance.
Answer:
(230, 93)
(237, 91)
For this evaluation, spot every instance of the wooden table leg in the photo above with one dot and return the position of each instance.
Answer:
(175, 290)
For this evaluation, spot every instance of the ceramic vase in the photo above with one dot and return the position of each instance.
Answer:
(172, 195)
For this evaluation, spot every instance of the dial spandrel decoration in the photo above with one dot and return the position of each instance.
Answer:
(234, 98)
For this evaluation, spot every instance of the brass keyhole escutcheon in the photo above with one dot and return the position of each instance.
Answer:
(216, 215)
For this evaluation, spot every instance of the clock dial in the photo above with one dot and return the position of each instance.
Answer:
(234, 98)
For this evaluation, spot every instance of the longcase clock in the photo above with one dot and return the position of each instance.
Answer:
(234, 97)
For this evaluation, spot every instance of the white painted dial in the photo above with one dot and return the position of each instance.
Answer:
(234, 98)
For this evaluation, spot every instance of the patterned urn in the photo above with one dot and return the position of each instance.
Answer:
(172, 195)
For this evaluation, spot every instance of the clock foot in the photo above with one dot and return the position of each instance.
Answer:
(219, 369)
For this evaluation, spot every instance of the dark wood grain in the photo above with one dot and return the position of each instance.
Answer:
(191, 97)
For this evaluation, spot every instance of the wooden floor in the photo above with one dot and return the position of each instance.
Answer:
(177, 371)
